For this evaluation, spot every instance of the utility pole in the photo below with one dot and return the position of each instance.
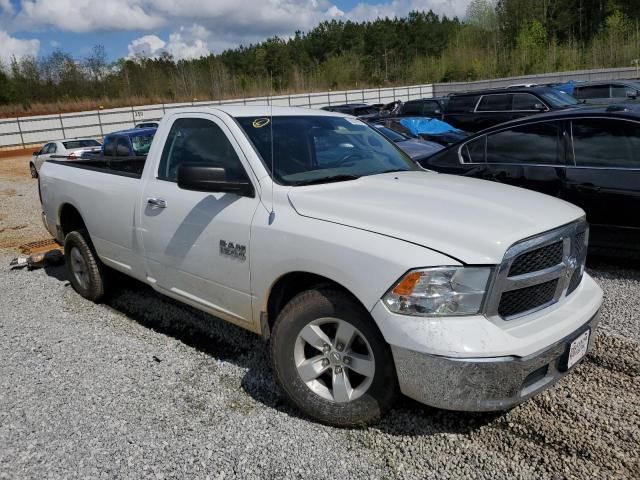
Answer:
(386, 66)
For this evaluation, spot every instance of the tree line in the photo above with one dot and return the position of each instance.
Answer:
(494, 39)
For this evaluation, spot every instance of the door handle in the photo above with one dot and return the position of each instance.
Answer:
(157, 202)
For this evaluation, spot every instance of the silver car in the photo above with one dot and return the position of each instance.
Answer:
(70, 149)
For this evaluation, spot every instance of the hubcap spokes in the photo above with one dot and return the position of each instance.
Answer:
(79, 268)
(334, 359)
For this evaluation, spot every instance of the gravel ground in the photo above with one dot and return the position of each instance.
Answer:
(142, 387)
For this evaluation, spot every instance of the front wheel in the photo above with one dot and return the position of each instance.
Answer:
(331, 360)
(33, 170)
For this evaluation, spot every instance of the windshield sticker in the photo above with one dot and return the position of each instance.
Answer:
(260, 122)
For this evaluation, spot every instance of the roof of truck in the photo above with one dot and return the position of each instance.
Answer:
(261, 111)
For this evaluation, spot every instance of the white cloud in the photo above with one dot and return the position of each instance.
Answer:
(216, 24)
(16, 47)
(5, 7)
(147, 46)
(88, 15)
(186, 42)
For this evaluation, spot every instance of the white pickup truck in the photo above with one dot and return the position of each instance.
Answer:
(366, 274)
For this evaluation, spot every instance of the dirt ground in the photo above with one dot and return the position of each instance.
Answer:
(19, 204)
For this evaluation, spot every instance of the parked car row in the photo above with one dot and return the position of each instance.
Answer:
(69, 149)
(126, 143)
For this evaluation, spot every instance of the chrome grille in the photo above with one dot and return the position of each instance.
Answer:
(536, 260)
(538, 272)
(527, 298)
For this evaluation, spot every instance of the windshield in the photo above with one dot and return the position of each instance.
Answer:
(559, 99)
(315, 149)
(80, 144)
(141, 143)
(390, 134)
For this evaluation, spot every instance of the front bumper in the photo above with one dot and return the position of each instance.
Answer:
(482, 384)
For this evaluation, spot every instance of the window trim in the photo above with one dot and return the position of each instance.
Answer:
(580, 88)
(494, 111)
(575, 165)
(226, 131)
(485, 135)
(542, 102)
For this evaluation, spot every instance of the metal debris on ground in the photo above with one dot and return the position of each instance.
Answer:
(38, 246)
(38, 260)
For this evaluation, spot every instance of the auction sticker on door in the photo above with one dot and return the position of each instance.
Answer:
(578, 349)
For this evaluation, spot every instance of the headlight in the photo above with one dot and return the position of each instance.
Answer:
(439, 291)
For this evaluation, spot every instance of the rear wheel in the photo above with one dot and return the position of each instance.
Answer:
(84, 269)
(331, 360)
(33, 170)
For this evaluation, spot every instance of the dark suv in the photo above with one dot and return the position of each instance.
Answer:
(607, 92)
(475, 111)
(425, 107)
(588, 156)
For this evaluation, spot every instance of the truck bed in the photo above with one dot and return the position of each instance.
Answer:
(124, 166)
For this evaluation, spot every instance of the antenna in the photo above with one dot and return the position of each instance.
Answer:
(272, 213)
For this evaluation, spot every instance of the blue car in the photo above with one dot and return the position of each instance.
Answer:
(135, 142)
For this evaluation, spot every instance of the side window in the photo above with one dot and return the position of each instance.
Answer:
(462, 103)
(197, 140)
(525, 101)
(412, 108)
(593, 91)
(122, 145)
(601, 142)
(475, 150)
(495, 103)
(45, 149)
(623, 91)
(52, 148)
(109, 146)
(431, 107)
(535, 143)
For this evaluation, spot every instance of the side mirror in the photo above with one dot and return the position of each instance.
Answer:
(35, 153)
(207, 177)
(122, 151)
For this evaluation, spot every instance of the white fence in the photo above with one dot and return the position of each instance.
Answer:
(24, 131)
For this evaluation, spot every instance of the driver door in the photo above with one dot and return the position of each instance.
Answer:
(197, 244)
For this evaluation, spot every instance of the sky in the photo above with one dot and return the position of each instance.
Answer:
(184, 28)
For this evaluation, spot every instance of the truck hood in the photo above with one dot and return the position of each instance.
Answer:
(471, 220)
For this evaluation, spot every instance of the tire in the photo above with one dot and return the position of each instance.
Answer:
(317, 315)
(32, 169)
(85, 271)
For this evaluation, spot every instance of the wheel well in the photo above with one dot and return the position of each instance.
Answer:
(70, 219)
(291, 284)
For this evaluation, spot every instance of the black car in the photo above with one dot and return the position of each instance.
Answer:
(618, 91)
(355, 109)
(475, 111)
(425, 107)
(589, 157)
